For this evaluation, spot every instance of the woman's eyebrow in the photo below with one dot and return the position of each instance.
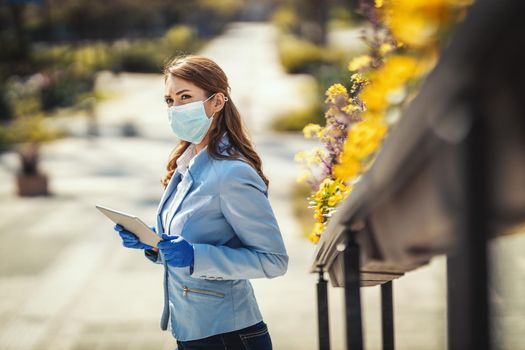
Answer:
(181, 91)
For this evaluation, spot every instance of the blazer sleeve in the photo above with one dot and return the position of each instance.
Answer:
(245, 206)
(154, 256)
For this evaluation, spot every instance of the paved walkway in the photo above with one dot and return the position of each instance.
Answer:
(67, 284)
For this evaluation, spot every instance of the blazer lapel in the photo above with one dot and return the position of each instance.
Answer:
(195, 167)
(172, 185)
(182, 191)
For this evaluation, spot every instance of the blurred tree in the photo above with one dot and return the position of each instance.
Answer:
(311, 18)
(314, 18)
(17, 9)
(70, 21)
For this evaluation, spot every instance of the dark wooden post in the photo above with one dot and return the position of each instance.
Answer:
(354, 329)
(322, 312)
(467, 265)
(387, 316)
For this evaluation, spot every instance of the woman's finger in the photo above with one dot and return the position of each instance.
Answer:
(128, 234)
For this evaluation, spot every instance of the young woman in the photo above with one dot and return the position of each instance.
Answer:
(217, 227)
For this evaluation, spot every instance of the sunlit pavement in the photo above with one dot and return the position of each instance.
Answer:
(66, 282)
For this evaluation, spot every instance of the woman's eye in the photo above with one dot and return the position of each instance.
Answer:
(183, 97)
(169, 101)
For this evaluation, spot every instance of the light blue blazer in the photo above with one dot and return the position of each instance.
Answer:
(222, 208)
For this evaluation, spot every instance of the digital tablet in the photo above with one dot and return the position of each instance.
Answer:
(132, 224)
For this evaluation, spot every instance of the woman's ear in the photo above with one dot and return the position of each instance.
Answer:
(219, 102)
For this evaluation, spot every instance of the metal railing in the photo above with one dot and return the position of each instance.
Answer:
(449, 177)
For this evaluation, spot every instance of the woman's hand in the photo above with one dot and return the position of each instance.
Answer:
(176, 250)
(130, 240)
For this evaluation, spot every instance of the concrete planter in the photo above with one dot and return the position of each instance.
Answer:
(32, 185)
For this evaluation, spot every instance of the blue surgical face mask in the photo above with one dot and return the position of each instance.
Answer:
(189, 121)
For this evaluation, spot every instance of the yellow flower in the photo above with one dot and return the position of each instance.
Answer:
(364, 138)
(300, 156)
(314, 237)
(303, 177)
(336, 198)
(418, 22)
(373, 96)
(357, 78)
(373, 117)
(310, 158)
(336, 90)
(347, 168)
(385, 48)
(460, 2)
(359, 62)
(378, 3)
(325, 183)
(350, 108)
(397, 70)
(310, 129)
(318, 216)
(318, 196)
(317, 231)
(391, 76)
(357, 82)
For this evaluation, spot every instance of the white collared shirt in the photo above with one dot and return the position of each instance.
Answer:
(183, 163)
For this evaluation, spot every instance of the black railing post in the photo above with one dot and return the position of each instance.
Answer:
(322, 312)
(352, 268)
(387, 316)
(467, 265)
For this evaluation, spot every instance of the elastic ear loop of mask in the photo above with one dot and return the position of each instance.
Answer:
(225, 97)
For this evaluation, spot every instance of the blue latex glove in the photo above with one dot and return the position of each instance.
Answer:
(176, 250)
(129, 239)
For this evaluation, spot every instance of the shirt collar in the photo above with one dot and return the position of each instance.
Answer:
(185, 158)
(193, 161)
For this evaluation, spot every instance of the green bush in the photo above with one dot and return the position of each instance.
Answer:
(301, 56)
(311, 112)
(22, 96)
(223, 8)
(297, 54)
(141, 55)
(63, 89)
(138, 56)
(285, 18)
(178, 37)
(5, 109)
(93, 57)
(149, 56)
(342, 17)
(297, 119)
(28, 129)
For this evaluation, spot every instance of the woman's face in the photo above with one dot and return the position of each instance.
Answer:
(178, 91)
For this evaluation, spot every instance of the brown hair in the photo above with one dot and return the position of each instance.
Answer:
(207, 75)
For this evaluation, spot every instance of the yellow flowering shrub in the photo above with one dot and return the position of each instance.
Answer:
(381, 83)
(359, 62)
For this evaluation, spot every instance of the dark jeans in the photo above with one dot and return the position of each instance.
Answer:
(254, 337)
